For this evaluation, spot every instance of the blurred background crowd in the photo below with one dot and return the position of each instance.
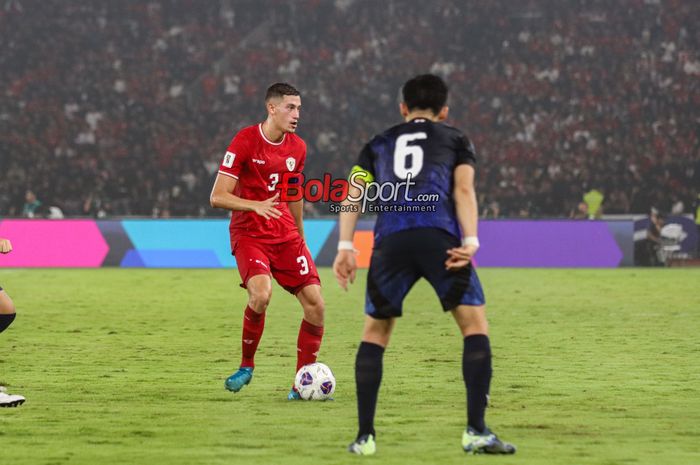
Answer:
(126, 108)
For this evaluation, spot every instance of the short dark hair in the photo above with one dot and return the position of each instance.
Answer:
(279, 90)
(425, 92)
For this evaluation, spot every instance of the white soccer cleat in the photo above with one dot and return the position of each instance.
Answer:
(364, 445)
(10, 400)
(486, 442)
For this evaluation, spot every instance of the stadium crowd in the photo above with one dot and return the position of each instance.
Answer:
(125, 108)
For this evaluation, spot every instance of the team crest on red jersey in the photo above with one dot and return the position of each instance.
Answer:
(291, 163)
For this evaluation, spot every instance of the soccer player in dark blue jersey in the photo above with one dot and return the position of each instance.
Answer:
(428, 230)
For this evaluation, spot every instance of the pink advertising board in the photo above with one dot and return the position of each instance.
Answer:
(47, 243)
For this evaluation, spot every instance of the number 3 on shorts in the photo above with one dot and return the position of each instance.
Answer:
(304, 265)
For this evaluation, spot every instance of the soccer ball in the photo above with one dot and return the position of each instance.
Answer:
(315, 381)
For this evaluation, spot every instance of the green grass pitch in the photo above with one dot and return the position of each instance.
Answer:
(126, 366)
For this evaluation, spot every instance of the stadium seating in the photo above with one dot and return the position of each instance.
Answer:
(138, 101)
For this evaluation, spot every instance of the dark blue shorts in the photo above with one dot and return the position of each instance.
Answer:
(406, 256)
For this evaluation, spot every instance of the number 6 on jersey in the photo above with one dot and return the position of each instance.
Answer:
(403, 151)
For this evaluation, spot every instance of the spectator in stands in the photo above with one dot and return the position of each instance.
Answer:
(32, 205)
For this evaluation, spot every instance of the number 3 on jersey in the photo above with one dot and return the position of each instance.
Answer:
(304, 265)
(403, 165)
(274, 179)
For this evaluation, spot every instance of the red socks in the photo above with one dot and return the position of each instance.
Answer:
(308, 343)
(253, 325)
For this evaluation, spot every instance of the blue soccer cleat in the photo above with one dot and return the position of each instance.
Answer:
(293, 395)
(236, 381)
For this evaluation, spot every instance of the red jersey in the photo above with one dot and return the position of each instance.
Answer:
(258, 164)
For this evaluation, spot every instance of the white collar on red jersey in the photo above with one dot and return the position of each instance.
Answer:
(268, 140)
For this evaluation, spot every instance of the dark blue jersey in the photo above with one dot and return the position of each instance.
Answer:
(426, 154)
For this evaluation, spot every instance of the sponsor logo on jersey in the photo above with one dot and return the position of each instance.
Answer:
(259, 162)
(228, 159)
(291, 163)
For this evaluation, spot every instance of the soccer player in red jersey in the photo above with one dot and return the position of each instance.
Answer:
(267, 236)
(7, 316)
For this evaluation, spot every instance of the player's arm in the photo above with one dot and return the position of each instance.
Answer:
(467, 210)
(296, 208)
(5, 245)
(345, 265)
(222, 197)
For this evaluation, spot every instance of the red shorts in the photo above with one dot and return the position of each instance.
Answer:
(290, 262)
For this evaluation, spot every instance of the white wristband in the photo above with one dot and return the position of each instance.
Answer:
(345, 245)
(470, 240)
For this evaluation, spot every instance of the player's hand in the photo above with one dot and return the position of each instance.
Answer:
(344, 268)
(5, 246)
(459, 257)
(266, 208)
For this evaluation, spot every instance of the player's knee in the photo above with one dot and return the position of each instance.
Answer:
(317, 304)
(378, 331)
(7, 311)
(471, 320)
(476, 327)
(259, 299)
(314, 311)
(7, 307)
